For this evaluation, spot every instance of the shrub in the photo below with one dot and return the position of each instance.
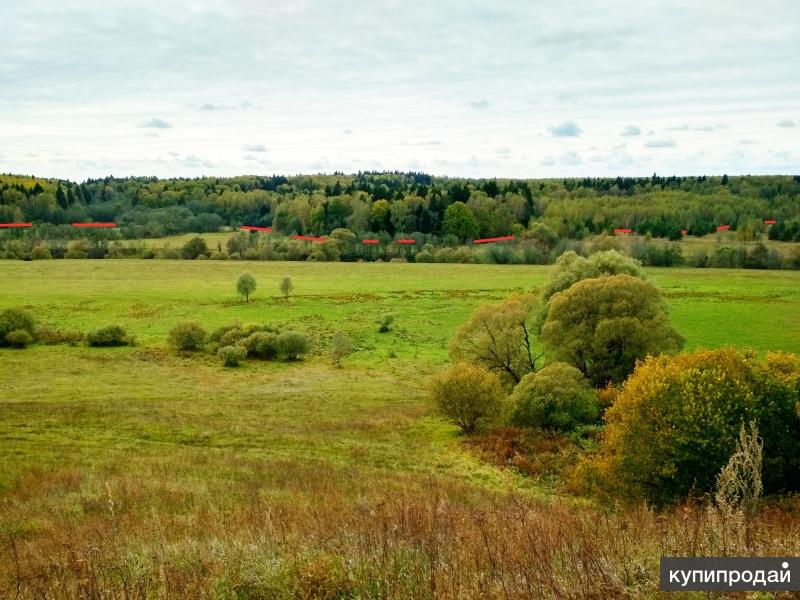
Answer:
(112, 335)
(19, 338)
(467, 394)
(294, 344)
(676, 422)
(423, 256)
(246, 285)
(232, 355)
(263, 344)
(385, 323)
(77, 249)
(41, 252)
(194, 248)
(15, 319)
(556, 397)
(187, 336)
(52, 336)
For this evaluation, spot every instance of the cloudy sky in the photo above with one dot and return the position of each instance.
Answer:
(514, 88)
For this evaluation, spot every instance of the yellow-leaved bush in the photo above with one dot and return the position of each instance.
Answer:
(675, 422)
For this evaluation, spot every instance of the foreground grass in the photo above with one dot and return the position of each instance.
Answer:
(136, 472)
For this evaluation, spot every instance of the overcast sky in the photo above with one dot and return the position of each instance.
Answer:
(528, 88)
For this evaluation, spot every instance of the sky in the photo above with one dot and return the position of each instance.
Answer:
(503, 88)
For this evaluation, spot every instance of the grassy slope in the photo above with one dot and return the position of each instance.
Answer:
(64, 403)
(160, 434)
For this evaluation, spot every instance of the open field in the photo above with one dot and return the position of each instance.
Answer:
(137, 469)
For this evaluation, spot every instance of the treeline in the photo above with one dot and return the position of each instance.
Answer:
(376, 204)
(535, 246)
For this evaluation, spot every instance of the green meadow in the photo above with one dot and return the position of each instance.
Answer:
(175, 437)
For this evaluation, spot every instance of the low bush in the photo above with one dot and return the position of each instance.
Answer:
(557, 397)
(19, 338)
(467, 394)
(263, 344)
(52, 336)
(187, 336)
(112, 335)
(15, 319)
(294, 345)
(385, 323)
(41, 252)
(232, 355)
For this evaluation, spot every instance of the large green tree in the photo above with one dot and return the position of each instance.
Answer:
(602, 326)
(460, 222)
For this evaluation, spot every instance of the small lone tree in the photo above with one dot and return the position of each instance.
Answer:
(340, 348)
(286, 287)
(246, 285)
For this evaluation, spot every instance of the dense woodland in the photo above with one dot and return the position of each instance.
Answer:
(392, 203)
(442, 215)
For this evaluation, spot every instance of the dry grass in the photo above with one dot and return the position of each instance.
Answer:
(302, 532)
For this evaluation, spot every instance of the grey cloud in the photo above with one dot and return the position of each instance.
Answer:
(787, 123)
(254, 148)
(631, 130)
(661, 143)
(155, 123)
(547, 161)
(565, 129)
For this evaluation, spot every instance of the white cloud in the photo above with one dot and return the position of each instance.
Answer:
(156, 123)
(570, 158)
(479, 104)
(254, 148)
(565, 129)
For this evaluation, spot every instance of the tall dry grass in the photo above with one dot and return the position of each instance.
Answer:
(291, 531)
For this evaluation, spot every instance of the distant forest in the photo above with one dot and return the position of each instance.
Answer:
(388, 205)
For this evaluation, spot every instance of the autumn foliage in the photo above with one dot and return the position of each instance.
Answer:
(676, 421)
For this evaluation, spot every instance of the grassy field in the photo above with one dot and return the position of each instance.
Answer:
(200, 481)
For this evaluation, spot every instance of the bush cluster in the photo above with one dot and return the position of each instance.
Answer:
(258, 341)
(109, 336)
(16, 328)
(187, 336)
